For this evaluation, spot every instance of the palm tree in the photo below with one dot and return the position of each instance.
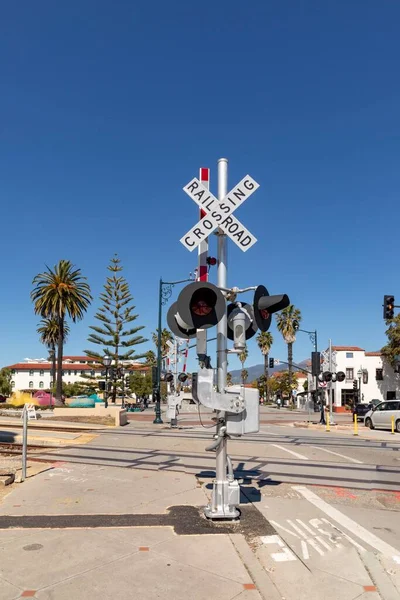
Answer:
(228, 379)
(59, 292)
(151, 359)
(264, 341)
(288, 321)
(244, 373)
(48, 330)
(166, 336)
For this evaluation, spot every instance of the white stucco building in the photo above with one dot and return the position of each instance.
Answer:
(35, 373)
(373, 374)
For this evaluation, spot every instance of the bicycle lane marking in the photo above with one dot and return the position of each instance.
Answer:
(363, 534)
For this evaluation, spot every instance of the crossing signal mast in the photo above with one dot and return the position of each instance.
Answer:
(202, 305)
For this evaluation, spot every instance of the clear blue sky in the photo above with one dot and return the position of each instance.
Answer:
(109, 108)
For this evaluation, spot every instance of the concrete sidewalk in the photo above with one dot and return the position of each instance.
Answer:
(105, 561)
(89, 531)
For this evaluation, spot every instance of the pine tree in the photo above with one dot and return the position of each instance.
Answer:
(115, 333)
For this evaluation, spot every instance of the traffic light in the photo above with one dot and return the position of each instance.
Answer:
(271, 363)
(241, 323)
(315, 363)
(388, 307)
(354, 385)
(265, 305)
(200, 305)
(102, 386)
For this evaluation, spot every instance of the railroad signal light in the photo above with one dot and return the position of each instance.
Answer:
(388, 307)
(182, 377)
(200, 305)
(340, 376)
(265, 305)
(327, 376)
(241, 323)
(211, 261)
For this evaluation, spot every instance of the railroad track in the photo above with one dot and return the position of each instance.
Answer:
(11, 449)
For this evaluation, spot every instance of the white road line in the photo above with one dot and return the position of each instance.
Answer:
(306, 527)
(315, 546)
(296, 454)
(355, 544)
(275, 524)
(354, 460)
(304, 549)
(299, 531)
(369, 538)
(322, 542)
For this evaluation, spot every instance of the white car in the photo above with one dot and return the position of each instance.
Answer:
(381, 416)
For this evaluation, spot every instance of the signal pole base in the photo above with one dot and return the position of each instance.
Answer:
(224, 501)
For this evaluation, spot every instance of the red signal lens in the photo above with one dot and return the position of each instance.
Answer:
(201, 308)
(264, 314)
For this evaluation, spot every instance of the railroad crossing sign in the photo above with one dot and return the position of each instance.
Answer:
(219, 213)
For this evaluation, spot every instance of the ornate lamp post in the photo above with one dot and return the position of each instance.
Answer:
(165, 292)
(122, 375)
(314, 340)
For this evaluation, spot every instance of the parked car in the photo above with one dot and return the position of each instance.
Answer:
(2, 398)
(381, 415)
(361, 410)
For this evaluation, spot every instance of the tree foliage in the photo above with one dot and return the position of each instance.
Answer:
(392, 348)
(141, 385)
(166, 336)
(283, 382)
(5, 382)
(244, 374)
(151, 359)
(58, 293)
(264, 341)
(288, 321)
(115, 333)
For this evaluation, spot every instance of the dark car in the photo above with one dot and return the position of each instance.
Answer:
(2, 398)
(361, 410)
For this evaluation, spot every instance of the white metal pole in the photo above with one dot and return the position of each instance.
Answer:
(221, 453)
(222, 279)
(24, 441)
(330, 385)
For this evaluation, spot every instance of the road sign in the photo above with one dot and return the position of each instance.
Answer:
(30, 409)
(277, 361)
(219, 214)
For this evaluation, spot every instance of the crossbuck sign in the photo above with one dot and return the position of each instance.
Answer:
(219, 214)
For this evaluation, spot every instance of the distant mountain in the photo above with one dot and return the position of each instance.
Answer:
(257, 370)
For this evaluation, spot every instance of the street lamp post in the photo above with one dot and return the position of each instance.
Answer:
(122, 374)
(106, 363)
(314, 340)
(165, 292)
(52, 358)
(359, 374)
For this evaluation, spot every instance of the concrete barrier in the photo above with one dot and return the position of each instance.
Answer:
(117, 413)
